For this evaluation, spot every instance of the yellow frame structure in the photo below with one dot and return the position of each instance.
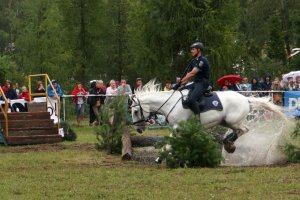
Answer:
(46, 80)
(5, 112)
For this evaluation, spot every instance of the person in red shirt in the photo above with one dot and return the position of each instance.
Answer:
(7, 86)
(24, 94)
(79, 98)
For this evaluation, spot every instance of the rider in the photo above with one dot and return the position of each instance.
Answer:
(198, 71)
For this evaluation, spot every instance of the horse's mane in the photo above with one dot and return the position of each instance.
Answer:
(150, 87)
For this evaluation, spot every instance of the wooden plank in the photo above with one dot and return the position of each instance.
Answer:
(38, 139)
(37, 107)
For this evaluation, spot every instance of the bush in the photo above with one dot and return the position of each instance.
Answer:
(192, 146)
(70, 134)
(113, 122)
(292, 150)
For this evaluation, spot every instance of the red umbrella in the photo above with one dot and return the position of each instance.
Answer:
(230, 78)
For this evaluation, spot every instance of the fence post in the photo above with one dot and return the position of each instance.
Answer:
(64, 104)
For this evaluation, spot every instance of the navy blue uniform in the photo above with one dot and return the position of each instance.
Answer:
(202, 64)
(201, 83)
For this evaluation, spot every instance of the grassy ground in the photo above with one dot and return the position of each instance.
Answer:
(75, 170)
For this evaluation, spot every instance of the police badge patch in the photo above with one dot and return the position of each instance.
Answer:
(215, 103)
(201, 63)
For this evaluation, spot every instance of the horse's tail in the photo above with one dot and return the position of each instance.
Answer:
(266, 104)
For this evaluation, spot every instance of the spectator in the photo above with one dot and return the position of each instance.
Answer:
(245, 86)
(17, 88)
(40, 88)
(277, 96)
(96, 101)
(9, 91)
(111, 91)
(255, 85)
(24, 94)
(138, 84)
(168, 86)
(267, 84)
(7, 86)
(226, 86)
(79, 98)
(297, 84)
(235, 87)
(57, 88)
(289, 86)
(124, 88)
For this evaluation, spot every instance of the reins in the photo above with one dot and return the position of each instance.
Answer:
(157, 111)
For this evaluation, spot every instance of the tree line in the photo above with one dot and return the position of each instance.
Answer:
(80, 40)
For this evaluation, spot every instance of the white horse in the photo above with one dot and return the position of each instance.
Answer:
(236, 107)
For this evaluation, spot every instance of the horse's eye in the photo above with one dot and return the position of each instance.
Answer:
(135, 112)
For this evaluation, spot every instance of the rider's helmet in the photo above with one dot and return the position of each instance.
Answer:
(198, 45)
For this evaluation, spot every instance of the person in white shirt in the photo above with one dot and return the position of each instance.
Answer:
(111, 91)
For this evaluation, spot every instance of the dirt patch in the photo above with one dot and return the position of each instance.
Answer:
(47, 147)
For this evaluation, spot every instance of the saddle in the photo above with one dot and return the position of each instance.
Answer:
(210, 101)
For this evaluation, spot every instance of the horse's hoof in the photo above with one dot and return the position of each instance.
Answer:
(229, 147)
(158, 160)
(140, 131)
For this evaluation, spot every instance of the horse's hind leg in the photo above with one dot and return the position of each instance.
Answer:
(232, 137)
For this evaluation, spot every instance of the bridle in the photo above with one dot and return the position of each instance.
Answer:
(138, 103)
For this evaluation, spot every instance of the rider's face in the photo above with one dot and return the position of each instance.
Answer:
(194, 52)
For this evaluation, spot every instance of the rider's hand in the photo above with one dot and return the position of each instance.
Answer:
(176, 86)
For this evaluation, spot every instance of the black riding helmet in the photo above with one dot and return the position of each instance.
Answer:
(197, 45)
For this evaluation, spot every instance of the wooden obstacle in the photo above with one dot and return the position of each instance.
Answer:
(129, 144)
(30, 128)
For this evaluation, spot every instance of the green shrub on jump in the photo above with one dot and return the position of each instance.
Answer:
(192, 146)
(292, 149)
(113, 122)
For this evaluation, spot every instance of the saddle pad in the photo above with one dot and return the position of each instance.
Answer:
(211, 102)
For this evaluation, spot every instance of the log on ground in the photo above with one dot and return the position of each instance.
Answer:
(126, 145)
(145, 155)
(145, 141)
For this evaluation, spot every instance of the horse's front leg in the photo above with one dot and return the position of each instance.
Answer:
(165, 148)
(229, 140)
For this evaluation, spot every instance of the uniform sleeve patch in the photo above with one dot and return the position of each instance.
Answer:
(201, 63)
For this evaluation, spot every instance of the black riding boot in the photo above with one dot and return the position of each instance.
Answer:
(195, 107)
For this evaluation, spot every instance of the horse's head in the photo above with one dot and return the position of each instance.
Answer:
(138, 114)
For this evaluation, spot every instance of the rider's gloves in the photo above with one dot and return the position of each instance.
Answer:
(176, 86)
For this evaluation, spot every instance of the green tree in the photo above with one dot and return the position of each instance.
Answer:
(276, 47)
(40, 41)
(159, 30)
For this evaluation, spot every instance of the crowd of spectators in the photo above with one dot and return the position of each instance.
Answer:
(12, 91)
(258, 86)
(263, 84)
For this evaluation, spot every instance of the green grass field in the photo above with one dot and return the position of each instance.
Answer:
(76, 170)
